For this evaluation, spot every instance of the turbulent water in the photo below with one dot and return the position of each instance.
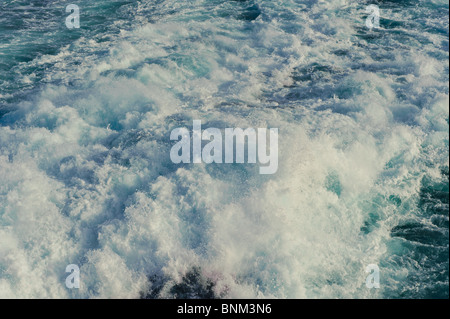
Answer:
(86, 177)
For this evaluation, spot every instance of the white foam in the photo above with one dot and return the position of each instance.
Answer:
(86, 175)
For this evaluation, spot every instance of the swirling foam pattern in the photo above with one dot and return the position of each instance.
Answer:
(86, 178)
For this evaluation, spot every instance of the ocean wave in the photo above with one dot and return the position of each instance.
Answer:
(86, 178)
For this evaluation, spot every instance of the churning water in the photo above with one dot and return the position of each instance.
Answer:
(86, 177)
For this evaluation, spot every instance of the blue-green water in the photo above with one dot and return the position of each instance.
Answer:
(86, 178)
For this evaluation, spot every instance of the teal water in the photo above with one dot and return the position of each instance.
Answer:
(86, 178)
